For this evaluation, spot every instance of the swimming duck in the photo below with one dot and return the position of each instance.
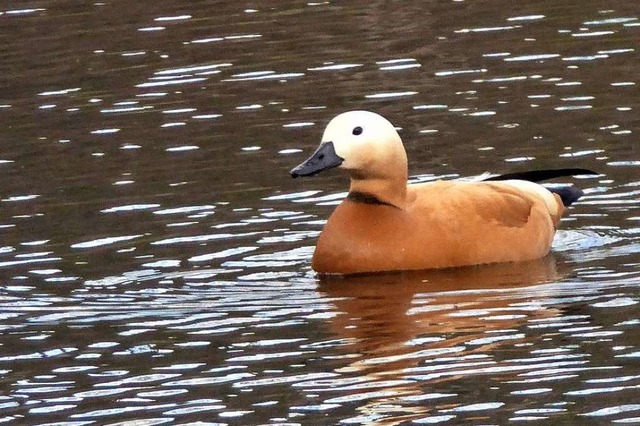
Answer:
(384, 224)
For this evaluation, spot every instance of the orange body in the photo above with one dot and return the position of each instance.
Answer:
(441, 225)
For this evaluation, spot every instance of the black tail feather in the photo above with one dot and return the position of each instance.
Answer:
(568, 194)
(540, 175)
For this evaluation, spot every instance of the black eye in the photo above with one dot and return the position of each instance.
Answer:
(357, 130)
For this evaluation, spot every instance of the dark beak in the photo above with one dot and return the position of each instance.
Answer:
(324, 158)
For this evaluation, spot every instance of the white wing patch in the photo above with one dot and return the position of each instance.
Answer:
(478, 178)
(539, 190)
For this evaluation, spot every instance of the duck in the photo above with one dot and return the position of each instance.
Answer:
(385, 224)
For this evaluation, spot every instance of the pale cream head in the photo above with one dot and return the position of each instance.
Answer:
(369, 145)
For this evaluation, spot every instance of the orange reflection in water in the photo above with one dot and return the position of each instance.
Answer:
(400, 324)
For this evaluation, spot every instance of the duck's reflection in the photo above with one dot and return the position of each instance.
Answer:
(408, 325)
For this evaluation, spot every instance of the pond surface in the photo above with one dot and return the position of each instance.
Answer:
(155, 254)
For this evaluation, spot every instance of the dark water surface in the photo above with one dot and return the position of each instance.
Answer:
(154, 252)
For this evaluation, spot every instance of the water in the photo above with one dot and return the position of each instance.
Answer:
(154, 252)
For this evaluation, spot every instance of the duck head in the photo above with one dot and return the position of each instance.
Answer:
(361, 142)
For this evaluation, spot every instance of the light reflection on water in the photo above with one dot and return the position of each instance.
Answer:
(154, 253)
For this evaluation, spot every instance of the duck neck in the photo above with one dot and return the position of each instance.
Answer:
(385, 190)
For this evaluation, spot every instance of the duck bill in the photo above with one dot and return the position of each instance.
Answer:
(324, 158)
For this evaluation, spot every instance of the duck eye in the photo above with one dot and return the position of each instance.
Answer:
(357, 131)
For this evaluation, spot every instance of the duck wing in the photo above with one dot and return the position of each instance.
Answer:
(541, 175)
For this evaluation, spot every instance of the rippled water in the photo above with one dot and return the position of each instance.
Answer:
(154, 253)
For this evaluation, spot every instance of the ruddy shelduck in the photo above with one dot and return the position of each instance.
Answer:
(384, 224)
